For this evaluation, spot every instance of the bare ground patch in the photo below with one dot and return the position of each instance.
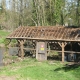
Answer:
(7, 78)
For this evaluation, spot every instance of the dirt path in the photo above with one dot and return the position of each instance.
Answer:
(7, 78)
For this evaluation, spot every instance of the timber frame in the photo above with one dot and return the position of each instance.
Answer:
(57, 35)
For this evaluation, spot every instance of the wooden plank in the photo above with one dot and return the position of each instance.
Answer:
(29, 49)
(41, 55)
(53, 50)
(26, 32)
(63, 33)
(64, 51)
(59, 33)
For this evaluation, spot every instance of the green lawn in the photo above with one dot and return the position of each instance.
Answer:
(31, 69)
(3, 35)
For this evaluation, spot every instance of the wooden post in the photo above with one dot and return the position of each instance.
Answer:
(63, 52)
(63, 44)
(22, 51)
(21, 48)
(19, 52)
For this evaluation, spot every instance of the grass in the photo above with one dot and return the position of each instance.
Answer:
(3, 35)
(31, 69)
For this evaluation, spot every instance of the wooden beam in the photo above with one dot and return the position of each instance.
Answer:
(47, 39)
(60, 44)
(29, 49)
(65, 51)
(65, 43)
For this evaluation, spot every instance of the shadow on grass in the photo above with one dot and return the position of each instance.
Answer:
(68, 67)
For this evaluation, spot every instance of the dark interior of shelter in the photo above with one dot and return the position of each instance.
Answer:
(74, 55)
(46, 41)
(72, 51)
(29, 45)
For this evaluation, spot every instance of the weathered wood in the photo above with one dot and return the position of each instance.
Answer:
(47, 39)
(62, 44)
(21, 48)
(19, 52)
(29, 49)
(46, 33)
(41, 52)
(63, 51)
(62, 35)
(22, 51)
(32, 49)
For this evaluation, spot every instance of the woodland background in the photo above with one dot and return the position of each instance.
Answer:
(15, 13)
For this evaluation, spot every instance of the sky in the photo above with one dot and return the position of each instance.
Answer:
(69, 0)
(7, 3)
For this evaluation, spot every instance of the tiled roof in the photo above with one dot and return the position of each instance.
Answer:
(46, 33)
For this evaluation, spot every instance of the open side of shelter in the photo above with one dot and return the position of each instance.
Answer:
(56, 37)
